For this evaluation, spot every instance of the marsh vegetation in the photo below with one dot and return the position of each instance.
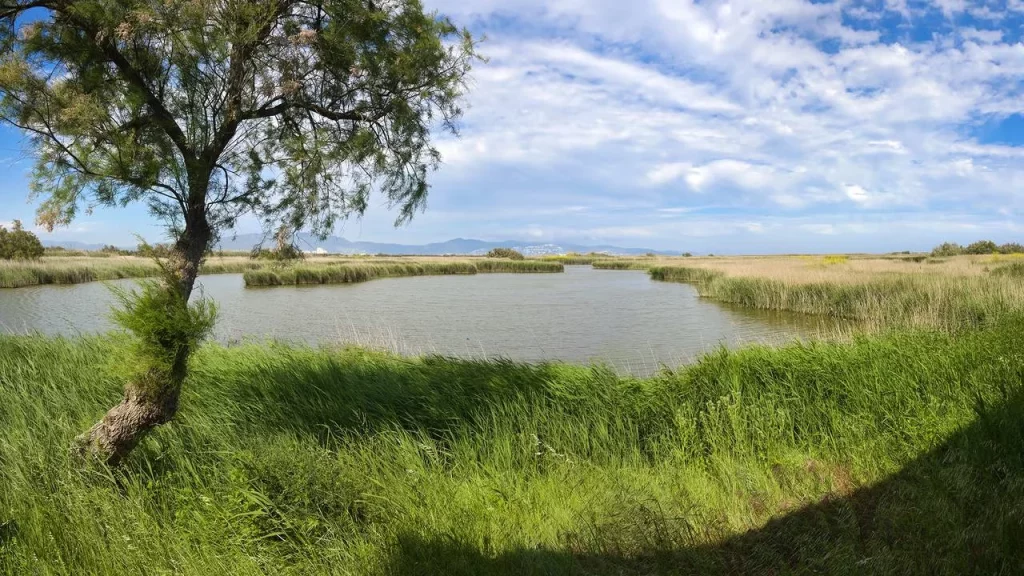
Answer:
(896, 452)
(891, 450)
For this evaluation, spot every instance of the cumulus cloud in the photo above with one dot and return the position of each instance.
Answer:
(777, 108)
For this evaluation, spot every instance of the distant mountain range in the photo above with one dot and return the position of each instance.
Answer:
(459, 246)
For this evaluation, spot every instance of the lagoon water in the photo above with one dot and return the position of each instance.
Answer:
(620, 318)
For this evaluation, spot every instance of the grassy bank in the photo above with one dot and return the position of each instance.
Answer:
(573, 259)
(623, 264)
(344, 273)
(313, 270)
(898, 453)
(81, 269)
(936, 300)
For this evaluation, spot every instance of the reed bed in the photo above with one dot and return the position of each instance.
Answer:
(573, 259)
(78, 270)
(491, 265)
(891, 454)
(623, 264)
(344, 273)
(948, 302)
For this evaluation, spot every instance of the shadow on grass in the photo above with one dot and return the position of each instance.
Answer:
(364, 392)
(959, 509)
(956, 510)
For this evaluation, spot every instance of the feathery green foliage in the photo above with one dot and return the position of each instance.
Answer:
(892, 454)
(163, 327)
(310, 89)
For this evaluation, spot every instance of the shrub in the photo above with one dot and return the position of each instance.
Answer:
(154, 251)
(113, 250)
(19, 244)
(982, 247)
(947, 249)
(505, 253)
(285, 253)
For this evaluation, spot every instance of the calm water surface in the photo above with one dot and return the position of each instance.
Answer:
(621, 318)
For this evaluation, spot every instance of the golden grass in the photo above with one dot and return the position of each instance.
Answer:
(843, 269)
(950, 293)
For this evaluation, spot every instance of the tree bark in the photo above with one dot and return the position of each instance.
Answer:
(151, 398)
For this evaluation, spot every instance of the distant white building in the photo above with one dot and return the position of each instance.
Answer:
(319, 251)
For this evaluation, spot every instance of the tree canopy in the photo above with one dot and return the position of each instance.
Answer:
(289, 109)
(19, 244)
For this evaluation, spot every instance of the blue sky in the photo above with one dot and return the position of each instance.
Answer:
(741, 126)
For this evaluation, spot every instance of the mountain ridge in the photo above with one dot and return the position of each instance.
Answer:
(455, 246)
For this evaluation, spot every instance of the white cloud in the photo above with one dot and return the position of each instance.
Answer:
(703, 177)
(602, 118)
(857, 194)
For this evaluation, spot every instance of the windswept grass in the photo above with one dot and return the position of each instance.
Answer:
(891, 454)
(299, 274)
(931, 301)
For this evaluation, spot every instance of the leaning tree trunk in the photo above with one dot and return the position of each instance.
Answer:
(151, 398)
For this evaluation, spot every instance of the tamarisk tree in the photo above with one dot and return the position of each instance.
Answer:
(205, 110)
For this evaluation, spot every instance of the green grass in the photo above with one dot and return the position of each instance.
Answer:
(299, 274)
(1014, 270)
(946, 302)
(517, 266)
(622, 264)
(897, 453)
(573, 259)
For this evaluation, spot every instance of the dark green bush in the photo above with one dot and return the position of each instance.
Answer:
(982, 247)
(19, 244)
(505, 253)
(285, 253)
(947, 249)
